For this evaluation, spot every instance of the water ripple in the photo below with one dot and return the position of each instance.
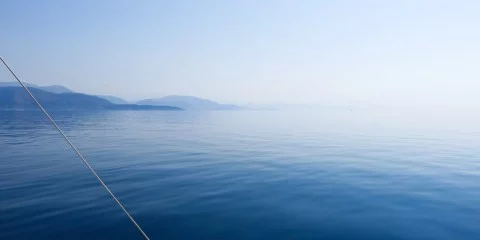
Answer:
(241, 175)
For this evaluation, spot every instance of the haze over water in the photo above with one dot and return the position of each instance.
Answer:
(300, 174)
(354, 170)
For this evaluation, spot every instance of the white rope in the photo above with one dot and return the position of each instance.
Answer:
(77, 152)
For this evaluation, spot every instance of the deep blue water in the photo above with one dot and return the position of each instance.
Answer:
(323, 174)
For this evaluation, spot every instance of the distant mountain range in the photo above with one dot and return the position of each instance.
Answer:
(189, 103)
(17, 98)
(61, 89)
(113, 99)
(62, 97)
(52, 88)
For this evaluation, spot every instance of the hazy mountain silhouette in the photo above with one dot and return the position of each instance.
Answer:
(61, 89)
(113, 99)
(52, 88)
(189, 103)
(183, 102)
(17, 98)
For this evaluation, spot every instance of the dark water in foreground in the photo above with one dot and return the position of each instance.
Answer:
(326, 174)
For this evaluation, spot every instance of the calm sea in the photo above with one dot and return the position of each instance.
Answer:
(309, 174)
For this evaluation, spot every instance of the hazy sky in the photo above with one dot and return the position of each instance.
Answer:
(326, 52)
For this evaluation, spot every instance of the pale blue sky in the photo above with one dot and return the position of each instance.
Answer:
(326, 52)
